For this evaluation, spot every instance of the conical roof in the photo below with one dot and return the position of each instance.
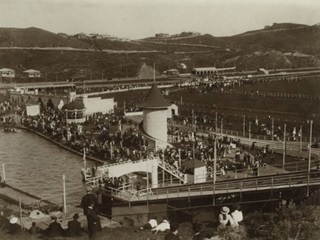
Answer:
(154, 99)
(73, 106)
(31, 102)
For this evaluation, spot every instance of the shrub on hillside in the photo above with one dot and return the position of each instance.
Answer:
(289, 223)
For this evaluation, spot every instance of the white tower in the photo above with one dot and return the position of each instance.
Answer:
(155, 117)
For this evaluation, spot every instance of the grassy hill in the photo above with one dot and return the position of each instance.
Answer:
(35, 37)
(279, 36)
(277, 46)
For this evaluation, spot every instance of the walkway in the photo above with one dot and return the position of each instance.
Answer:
(255, 184)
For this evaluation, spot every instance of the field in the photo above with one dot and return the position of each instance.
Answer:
(292, 111)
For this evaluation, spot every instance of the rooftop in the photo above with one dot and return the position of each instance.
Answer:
(154, 99)
(74, 105)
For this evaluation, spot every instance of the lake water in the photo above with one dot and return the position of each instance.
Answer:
(36, 166)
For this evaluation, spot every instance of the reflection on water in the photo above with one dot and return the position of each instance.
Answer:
(36, 165)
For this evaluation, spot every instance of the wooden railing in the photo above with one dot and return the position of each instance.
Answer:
(290, 180)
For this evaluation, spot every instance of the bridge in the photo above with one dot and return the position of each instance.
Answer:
(150, 166)
(235, 188)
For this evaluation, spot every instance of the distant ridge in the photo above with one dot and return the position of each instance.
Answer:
(36, 37)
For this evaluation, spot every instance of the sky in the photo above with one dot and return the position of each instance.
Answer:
(136, 19)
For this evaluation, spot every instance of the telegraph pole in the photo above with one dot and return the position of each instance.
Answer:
(244, 125)
(310, 143)
(272, 129)
(284, 147)
(216, 122)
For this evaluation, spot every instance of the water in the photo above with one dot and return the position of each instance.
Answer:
(36, 166)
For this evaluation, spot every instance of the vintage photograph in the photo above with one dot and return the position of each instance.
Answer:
(160, 120)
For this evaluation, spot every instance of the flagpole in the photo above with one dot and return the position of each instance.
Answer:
(85, 163)
(300, 138)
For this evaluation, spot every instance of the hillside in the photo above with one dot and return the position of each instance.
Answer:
(277, 46)
(35, 37)
(280, 36)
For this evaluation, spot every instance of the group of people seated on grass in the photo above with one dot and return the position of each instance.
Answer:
(53, 230)
(227, 218)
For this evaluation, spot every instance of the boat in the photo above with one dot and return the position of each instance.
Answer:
(10, 130)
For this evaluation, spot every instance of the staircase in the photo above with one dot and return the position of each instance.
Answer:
(171, 170)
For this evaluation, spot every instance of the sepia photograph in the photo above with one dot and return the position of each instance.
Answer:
(160, 120)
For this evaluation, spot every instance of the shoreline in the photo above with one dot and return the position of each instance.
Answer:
(94, 159)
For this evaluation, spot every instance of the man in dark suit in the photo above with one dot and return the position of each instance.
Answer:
(88, 198)
(74, 227)
(94, 224)
(54, 229)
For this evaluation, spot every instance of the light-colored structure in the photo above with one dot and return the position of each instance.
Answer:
(170, 72)
(31, 73)
(74, 112)
(7, 73)
(97, 104)
(155, 109)
(198, 169)
(32, 107)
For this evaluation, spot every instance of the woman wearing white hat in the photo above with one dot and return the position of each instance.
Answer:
(224, 217)
(14, 227)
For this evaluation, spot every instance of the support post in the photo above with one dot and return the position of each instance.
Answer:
(20, 213)
(111, 151)
(64, 194)
(309, 159)
(300, 133)
(3, 172)
(244, 125)
(216, 122)
(272, 129)
(284, 147)
(310, 143)
(215, 162)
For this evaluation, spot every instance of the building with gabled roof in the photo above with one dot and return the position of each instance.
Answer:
(32, 73)
(7, 73)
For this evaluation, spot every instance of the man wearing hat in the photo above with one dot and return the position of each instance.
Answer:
(54, 229)
(224, 216)
(94, 224)
(86, 199)
(74, 226)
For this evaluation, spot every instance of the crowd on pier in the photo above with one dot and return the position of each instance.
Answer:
(110, 137)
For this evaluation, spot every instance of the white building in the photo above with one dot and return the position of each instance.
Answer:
(97, 104)
(32, 107)
(7, 73)
(155, 109)
(31, 73)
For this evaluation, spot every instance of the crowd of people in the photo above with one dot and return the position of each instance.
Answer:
(101, 136)
(258, 125)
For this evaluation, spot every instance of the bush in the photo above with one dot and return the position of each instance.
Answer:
(288, 223)
(231, 233)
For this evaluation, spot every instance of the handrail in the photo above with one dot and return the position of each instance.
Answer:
(266, 182)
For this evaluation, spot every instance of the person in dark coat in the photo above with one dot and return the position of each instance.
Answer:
(173, 235)
(34, 229)
(14, 227)
(54, 229)
(88, 198)
(74, 227)
(94, 224)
